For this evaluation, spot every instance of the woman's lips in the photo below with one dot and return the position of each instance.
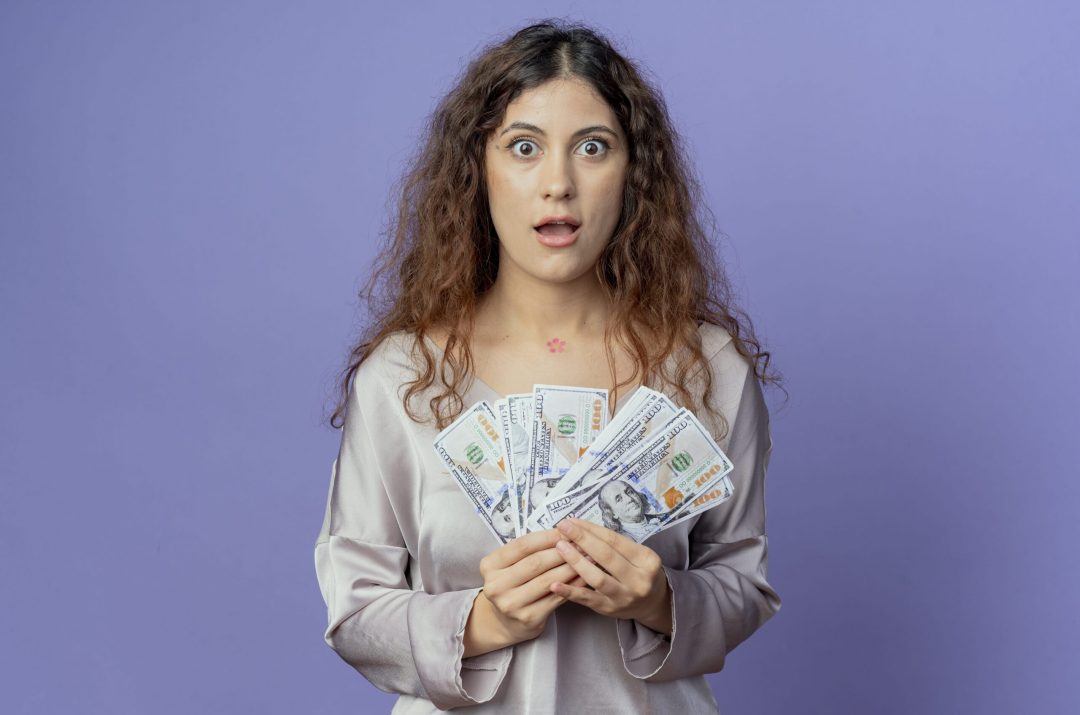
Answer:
(557, 240)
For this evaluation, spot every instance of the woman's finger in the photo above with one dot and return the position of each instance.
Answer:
(578, 582)
(583, 596)
(510, 553)
(596, 577)
(637, 554)
(529, 567)
(551, 601)
(601, 544)
(538, 587)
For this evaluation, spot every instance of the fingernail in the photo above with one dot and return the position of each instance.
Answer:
(562, 546)
(564, 527)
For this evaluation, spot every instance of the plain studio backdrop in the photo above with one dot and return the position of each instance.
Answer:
(192, 192)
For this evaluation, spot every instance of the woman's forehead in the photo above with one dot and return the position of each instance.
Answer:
(559, 106)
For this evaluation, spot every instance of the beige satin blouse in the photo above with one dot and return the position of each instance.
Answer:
(398, 552)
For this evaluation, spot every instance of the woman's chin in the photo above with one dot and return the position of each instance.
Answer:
(561, 268)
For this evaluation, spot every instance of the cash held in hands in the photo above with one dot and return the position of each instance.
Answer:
(532, 459)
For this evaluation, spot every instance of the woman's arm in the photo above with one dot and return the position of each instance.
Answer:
(452, 648)
(672, 623)
(723, 596)
(483, 631)
(401, 640)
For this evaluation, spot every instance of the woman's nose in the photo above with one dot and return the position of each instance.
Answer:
(557, 180)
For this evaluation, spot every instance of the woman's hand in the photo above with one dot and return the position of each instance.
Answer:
(627, 578)
(517, 599)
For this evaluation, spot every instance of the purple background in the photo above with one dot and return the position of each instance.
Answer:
(191, 192)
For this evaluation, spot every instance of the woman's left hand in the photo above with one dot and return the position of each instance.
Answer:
(628, 577)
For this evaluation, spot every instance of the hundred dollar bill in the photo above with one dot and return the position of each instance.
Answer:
(499, 408)
(555, 510)
(629, 429)
(571, 480)
(718, 494)
(600, 451)
(566, 420)
(515, 417)
(471, 449)
(564, 505)
(656, 481)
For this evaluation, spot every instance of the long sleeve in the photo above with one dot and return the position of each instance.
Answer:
(402, 640)
(723, 596)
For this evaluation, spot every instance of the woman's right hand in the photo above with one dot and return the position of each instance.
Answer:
(516, 599)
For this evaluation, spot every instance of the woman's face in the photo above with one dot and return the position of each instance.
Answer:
(572, 162)
(623, 501)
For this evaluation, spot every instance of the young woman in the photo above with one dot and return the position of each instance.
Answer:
(547, 233)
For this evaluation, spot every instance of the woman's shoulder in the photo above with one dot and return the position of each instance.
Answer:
(721, 351)
(713, 338)
(389, 361)
(729, 369)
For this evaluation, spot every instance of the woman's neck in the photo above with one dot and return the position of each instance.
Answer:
(540, 310)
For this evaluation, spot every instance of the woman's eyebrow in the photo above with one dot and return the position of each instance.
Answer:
(585, 130)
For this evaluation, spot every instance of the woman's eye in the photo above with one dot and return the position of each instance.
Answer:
(590, 147)
(594, 147)
(527, 142)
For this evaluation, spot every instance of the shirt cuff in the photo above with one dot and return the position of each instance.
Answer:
(644, 651)
(449, 679)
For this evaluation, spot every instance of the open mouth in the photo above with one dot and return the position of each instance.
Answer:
(557, 228)
(557, 231)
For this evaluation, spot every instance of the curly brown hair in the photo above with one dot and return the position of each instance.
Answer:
(659, 270)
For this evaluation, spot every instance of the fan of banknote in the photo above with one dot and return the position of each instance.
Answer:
(532, 459)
